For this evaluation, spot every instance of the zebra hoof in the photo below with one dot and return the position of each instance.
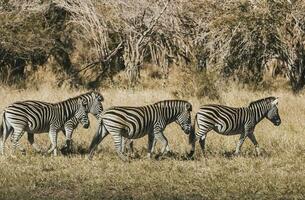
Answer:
(13, 156)
(65, 150)
(236, 154)
(190, 155)
(22, 151)
(124, 158)
(90, 156)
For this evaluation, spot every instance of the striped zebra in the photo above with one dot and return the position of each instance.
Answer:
(136, 122)
(231, 121)
(95, 107)
(38, 117)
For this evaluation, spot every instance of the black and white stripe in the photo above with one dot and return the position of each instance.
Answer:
(231, 121)
(136, 122)
(38, 117)
(95, 106)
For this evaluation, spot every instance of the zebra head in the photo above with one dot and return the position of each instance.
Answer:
(82, 112)
(273, 113)
(184, 118)
(95, 104)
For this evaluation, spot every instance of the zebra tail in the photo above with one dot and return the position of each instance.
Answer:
(1, 131)
(192, 135)
(192, 139)
(2, 126)
(96, 138)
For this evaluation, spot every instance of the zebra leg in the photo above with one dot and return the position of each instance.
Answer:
(68, 132)
(32, 142)
(53, 138)
(127, 147)
(151, 138)
(128, 144)
(15, 137)
(239, 144)
(192, 142)
(202, 143)
(118, 142)
(130, 148)
(202, 133)
(6, 133)
(98, 138)
(123, 146)
(154, 145)
(253, 140)
(65, 147)
(164, 141)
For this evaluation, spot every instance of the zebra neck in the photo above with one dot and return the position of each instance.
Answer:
(260, 111)
(170, 114)
(67, 109)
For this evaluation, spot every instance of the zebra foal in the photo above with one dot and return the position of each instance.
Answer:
(231, 121)
(95, 107)
(136, 122)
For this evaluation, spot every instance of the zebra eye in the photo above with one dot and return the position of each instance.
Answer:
(99, 98)
(188, 107)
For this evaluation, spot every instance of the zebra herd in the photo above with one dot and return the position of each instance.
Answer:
(125, 124)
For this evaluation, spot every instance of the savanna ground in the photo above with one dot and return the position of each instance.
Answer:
(277, 174)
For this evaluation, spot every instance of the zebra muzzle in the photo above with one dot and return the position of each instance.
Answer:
(186, 129)
(86, 125)
(277, 122)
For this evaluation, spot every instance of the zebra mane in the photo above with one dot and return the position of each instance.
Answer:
(166, 103)
(82, 95)
(266, 100)
(171, 100)
(76, 97)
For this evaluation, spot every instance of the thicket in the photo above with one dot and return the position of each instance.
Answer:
(88, 41)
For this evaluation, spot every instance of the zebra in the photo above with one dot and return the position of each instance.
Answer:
(95, 100)
(95, 107)
(39, 117)
(231, 121)
(136, 122)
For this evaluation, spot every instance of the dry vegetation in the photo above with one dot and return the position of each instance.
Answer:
(277, 174)
(86, 41)
(142, 51)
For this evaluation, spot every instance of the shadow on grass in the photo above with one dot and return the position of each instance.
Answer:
(80, 149)
(76, 149)
(247, 154)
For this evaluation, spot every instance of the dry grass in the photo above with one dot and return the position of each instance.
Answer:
(277, 174)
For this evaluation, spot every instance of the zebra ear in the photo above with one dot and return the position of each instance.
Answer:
(100, 97)
(188, 107)
(97, 95)
(80, 101)
(275, 102)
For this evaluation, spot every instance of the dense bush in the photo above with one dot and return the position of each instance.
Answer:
(95, 39)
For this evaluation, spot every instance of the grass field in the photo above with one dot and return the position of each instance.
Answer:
(279, 173)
